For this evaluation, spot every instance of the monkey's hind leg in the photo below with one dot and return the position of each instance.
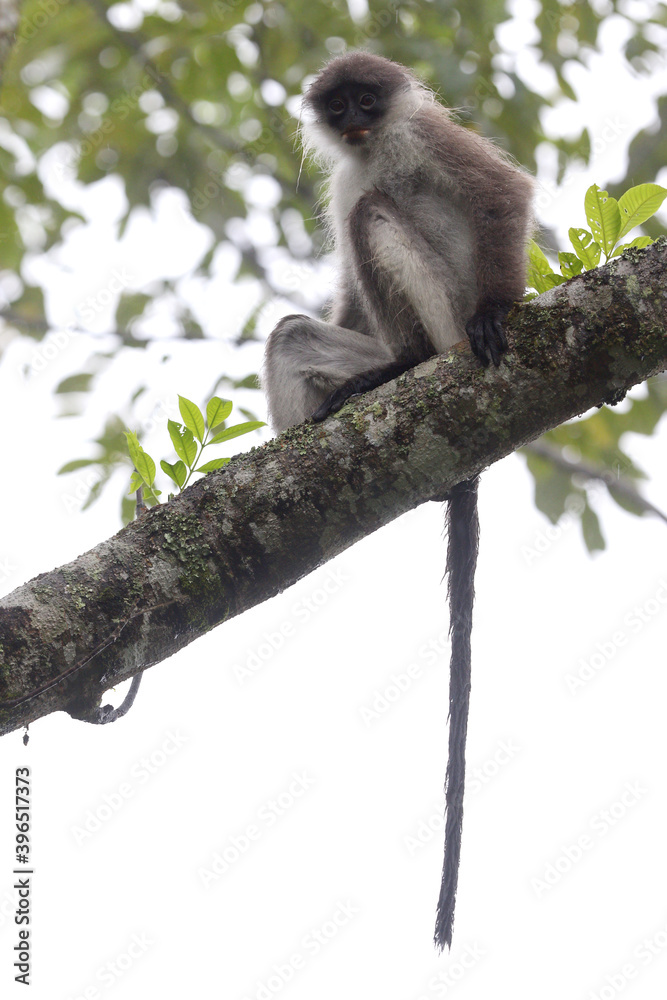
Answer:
(307, 359)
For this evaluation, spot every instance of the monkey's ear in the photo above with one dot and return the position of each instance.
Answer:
(486, 334)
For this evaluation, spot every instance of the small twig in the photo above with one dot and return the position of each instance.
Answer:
(107, 713)
(141, 507)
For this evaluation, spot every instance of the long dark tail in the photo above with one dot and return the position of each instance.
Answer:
(463, 540)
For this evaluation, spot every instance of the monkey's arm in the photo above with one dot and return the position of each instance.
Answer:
(498, 198)
(501, 224)
(500, 227)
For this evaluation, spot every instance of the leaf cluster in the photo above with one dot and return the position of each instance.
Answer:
(200, 98)
(189, 439)
(595, 441)
(609, 221)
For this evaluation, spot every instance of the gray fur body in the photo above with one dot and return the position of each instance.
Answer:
(424, 211)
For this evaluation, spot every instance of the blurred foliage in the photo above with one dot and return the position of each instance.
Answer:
(646, 157)
(595, 442)
(167, 94)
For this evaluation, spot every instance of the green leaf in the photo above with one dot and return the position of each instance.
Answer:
(146, 468)
(537, 260)
(541, 282)
(551, 280)
(136, 482)
(237, 430)
(93, 494)
(248, 414)
(183, 442)
(249, 382)
(176, 438)
(587, 250)
(217, 410)
(639, 241)
(216, 463)
(142, 461)
(603, 217)
(190, 447)
(570, 264)
(77, 463)
(192, 417)
(567, 87)
(30, 306)
(590, 525)
(638, 204)
(626, 503)
(75, 383)
(540, 273)
(176, 472)
(552, 489)
(151, 495)
(130, 306)
(133, 445)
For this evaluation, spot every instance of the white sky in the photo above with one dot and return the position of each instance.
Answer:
(328, 895)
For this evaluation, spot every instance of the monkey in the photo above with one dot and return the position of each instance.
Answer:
(430, 223)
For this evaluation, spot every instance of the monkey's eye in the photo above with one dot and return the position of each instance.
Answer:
(337, 106)
(367, 101)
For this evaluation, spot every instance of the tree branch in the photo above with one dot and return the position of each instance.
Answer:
(241, 535)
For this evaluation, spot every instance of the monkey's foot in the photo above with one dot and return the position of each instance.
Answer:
(486, 334)
(333, 403)
(363, 382)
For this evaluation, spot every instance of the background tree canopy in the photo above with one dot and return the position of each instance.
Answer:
(317, 719)
(201, 100)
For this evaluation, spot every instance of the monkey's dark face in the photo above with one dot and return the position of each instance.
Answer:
(353, 111)
(352, 96)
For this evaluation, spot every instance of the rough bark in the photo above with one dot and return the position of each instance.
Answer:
(277, 512)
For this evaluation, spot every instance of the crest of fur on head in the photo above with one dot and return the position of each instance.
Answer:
(406, 93)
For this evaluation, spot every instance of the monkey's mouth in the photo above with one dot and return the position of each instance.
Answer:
(355, 134)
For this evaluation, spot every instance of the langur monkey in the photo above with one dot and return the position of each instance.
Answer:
(430, 223)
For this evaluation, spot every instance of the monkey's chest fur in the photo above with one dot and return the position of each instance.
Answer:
(424, 242)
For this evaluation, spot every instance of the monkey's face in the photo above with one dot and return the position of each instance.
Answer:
(350, 102)
(352, 111)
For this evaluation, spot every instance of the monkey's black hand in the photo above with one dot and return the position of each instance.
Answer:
(486, 334)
